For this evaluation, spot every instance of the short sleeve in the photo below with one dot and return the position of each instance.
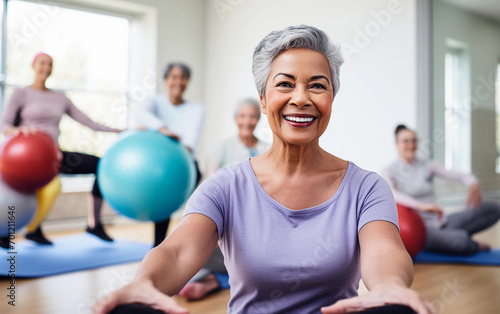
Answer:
(210, 199)
(377, 201)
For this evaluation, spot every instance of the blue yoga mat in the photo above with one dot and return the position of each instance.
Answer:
(68, 254)
(491, 258)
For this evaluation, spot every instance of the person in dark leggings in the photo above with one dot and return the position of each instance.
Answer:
(79, 163)
(36, 108)
(411, 177)
(173, 116)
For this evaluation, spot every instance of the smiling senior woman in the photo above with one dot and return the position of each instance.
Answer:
(298, 227)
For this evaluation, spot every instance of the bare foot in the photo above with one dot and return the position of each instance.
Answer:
(199, 289)
(483, 246)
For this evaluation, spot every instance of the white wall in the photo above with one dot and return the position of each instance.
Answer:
(482, 36)
(217, 38)
(181, 26)
(378, 82)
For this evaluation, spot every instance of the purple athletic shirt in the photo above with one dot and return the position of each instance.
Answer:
(290, 261)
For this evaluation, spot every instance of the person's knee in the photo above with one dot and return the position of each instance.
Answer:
(461, 243)
(451, 241)
(464, 247)
(492, 209)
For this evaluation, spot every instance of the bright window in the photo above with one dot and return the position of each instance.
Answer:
(457, 109)
(91, 58)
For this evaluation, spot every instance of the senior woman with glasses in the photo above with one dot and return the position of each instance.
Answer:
(298, 227)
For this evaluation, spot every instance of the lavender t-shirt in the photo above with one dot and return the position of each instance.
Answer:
(290, 261)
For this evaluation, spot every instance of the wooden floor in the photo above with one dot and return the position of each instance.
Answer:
(452, 289)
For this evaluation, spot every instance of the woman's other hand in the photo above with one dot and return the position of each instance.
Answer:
(139, 292)
(168, 133)
(432, 208)
(384, 294)
(475, 197)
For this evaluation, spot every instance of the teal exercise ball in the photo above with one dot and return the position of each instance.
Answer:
(146, 176)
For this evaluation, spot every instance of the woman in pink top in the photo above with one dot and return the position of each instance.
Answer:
(37, 108)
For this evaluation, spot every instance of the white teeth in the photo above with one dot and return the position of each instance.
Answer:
(299, 119)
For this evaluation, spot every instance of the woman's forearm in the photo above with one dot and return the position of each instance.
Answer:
(466, 179)
(161, 268)
(383, 256)
(390, 267)
(170, 265)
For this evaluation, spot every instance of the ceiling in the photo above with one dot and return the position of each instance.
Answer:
(488, 8)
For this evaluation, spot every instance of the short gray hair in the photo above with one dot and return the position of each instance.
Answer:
(300, 36)
(182, 66)
(252, 102)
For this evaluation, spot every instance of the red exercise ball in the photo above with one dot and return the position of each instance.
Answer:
(28, 162)
(411, 230)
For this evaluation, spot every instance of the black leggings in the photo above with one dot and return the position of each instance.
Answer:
(78, 163)
(142, 309)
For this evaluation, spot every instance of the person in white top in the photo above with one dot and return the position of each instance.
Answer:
(173, 116)
(170, 113)
(410, 179)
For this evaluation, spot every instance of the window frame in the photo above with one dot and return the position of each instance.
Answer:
(142, 31)
(142, 76)
(458, 108)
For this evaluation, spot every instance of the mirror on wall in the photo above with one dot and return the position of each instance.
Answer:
(466, 92)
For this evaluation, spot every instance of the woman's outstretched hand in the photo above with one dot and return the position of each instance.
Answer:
(475, 197)
(24, 130)
(383, 295)
(139, 292)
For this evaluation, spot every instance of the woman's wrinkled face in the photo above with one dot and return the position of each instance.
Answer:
(176, 82)
(407, 144)
(247, 118)
(298, 96)
(43, 66)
